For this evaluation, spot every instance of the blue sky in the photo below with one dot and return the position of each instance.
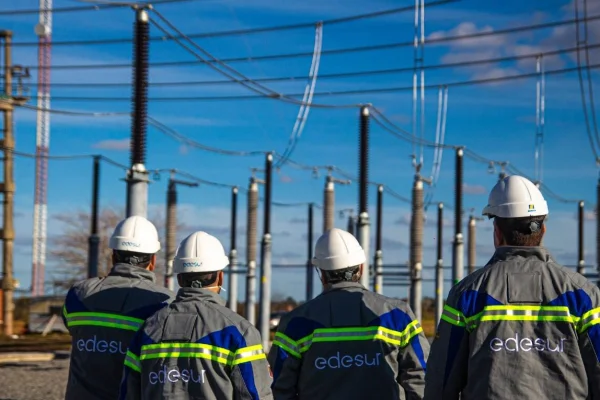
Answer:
(497, 121)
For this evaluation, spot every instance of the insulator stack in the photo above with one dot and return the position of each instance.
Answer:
(472, 255)
(328, 204)
(140, 88)
(251, 241)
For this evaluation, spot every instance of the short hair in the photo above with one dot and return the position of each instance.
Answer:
(141, 260)
(349, 274)
(522, 231)
(197, 279)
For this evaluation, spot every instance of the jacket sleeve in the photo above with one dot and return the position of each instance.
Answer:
(589, 342)
(412, 359)
(448, 360)
(286, 361)
(131, 382)
(250, 374)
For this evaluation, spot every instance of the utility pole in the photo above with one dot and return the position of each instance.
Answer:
(363, 194)
(171, 227)
(378, 283)
(233, 281)
(94, 239)
(265, 292)
(416, 247)
(137, 177)
(439, 268)
(7, 188)
(309, 265)
(251, 250)
(581, 256)
(328, 204)
(457, 259)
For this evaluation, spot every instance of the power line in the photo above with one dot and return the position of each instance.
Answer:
(248, 31)
(64, 157)
(356, 49)
(92, 7)
(330, 93)
(333, 75)
(255, 87)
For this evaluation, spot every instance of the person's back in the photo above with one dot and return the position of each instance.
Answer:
(348, 342)
(523, 326)
(196, 348)
(102, 316)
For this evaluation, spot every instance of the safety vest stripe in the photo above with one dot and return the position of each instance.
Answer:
(134, 367)
(295, 352)
(248, 354)
(103, 324)
(287, 341)
(102, 319)
(387, 335)
(149, 348)
(589, 319)
(177, 354)
(453, 316)
(132, 361)
(105, 315)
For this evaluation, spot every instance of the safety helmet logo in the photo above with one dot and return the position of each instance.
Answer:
(132, 244)
(192, 264)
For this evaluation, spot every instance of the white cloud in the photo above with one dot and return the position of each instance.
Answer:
(113, 144)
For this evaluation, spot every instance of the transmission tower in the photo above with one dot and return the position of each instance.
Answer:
(44, 31)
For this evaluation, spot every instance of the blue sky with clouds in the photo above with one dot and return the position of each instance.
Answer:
(495, 120)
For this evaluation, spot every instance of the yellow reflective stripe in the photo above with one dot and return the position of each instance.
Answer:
(133, 361)
(589, 319)
(287, 344)
(185, 350)
(248, 354)
(453, 316)
(106, 320)
(387, 335)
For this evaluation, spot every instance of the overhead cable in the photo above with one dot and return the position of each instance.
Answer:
(63, 157)
(290, 96)
(92, 7)
(248, 31)
(261, 90)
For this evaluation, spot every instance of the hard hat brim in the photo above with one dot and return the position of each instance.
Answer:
(341, 261)
(516, 210)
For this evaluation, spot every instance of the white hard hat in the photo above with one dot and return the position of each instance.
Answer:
(135, 234)
(200, 252)
(515, 197)
(338, 249)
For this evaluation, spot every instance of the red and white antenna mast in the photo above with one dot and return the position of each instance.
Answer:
(44, 31)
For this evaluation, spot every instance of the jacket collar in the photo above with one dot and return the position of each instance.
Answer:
(131, 271)
(343, 285)
(505, 253)
(195, 294)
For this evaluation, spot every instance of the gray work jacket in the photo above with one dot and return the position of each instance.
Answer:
(196, 349)
(522, 327)
(102, 316)
(349, 343)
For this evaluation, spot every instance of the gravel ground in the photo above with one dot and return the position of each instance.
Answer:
(34, 381)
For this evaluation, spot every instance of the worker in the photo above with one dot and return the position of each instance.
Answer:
(196, 348)
(522, 327)
(103, 314)
(348, 342)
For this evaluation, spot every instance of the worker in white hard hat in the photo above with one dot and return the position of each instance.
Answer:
(522, 327)
(102, 314)
(197, 348)
(348, 342)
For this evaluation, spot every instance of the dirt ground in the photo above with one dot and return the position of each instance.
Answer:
(34, 381)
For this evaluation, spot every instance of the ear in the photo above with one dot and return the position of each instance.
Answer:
(220, 278)
(321, 276)
(180, 280)
(543, 229)
(113, 258)
(152, 264)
